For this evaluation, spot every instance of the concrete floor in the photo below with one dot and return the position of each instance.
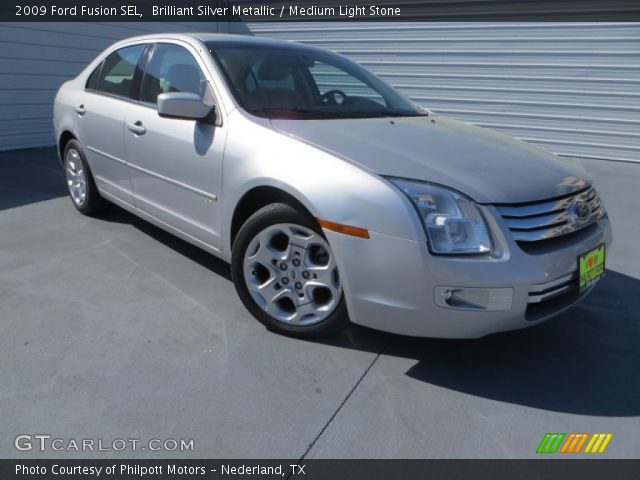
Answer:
(111, 328)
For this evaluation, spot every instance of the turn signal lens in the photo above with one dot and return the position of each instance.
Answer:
(345, 229)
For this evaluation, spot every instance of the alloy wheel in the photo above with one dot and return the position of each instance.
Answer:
(291, 273)
(76, 177)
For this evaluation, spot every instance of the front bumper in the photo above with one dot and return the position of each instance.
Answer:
(396, 285)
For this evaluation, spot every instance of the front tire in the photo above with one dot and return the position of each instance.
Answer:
(82, 188)
(286, 274)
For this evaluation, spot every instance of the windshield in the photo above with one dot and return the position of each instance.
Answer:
(302, 83)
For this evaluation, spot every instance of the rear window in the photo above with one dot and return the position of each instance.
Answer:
(92, 82)
(118, 69)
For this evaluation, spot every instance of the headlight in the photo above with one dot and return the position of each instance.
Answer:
(453, 222)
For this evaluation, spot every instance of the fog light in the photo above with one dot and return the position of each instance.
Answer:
(470, 298)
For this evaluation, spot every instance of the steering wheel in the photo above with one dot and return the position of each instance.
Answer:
(329, 98)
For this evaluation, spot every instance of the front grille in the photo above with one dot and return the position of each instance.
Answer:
(550, 297)
(542, 220)
(546, 291)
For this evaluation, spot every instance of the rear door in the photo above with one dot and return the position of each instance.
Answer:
(175, 164)
(107, 97)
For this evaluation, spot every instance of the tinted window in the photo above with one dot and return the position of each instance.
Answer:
(256, 80)
(298, 82)
(171, 69)
(328, 78)
(116, 76)
(92, 82)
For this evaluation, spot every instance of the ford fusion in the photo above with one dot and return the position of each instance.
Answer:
(333, 196)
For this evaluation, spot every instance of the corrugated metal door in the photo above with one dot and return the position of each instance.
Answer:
(35, 58)
(572, 88)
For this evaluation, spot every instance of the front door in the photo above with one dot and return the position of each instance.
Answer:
(175, 164)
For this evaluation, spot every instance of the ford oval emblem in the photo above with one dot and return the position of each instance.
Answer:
(579, 211)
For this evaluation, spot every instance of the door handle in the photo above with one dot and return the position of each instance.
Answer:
(137, 128)
(80, 110)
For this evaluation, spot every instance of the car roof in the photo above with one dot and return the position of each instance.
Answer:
(241, 39)
(220, 38)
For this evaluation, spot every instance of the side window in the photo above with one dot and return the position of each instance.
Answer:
(118, 69)
(171, 69)
(92, 81)
(328, 77)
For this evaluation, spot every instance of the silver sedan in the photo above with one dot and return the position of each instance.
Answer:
(333, 196)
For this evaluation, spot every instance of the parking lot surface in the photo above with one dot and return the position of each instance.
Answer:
(111, 328)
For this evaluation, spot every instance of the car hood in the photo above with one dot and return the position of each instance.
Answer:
(487, 166)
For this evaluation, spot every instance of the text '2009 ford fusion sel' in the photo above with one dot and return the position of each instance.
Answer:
(334, 197)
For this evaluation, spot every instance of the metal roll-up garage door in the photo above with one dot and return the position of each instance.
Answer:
(572, 88)
(37, 57)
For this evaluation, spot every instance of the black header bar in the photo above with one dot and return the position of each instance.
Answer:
(177, 469)
(320, 10)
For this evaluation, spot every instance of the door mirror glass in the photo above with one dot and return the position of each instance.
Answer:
(185, 105)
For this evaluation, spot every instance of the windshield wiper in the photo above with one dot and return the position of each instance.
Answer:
(392, 114)
(296, 113)
(275, 112)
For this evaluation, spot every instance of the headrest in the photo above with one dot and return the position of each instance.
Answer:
(270, 70)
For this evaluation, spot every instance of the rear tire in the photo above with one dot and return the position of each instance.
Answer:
(82, 187)
(286, 275)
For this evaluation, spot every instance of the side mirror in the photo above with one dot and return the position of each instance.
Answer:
(185, 105)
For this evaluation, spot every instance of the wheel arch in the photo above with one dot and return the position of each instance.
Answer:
(65, 137)
(258, 197)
